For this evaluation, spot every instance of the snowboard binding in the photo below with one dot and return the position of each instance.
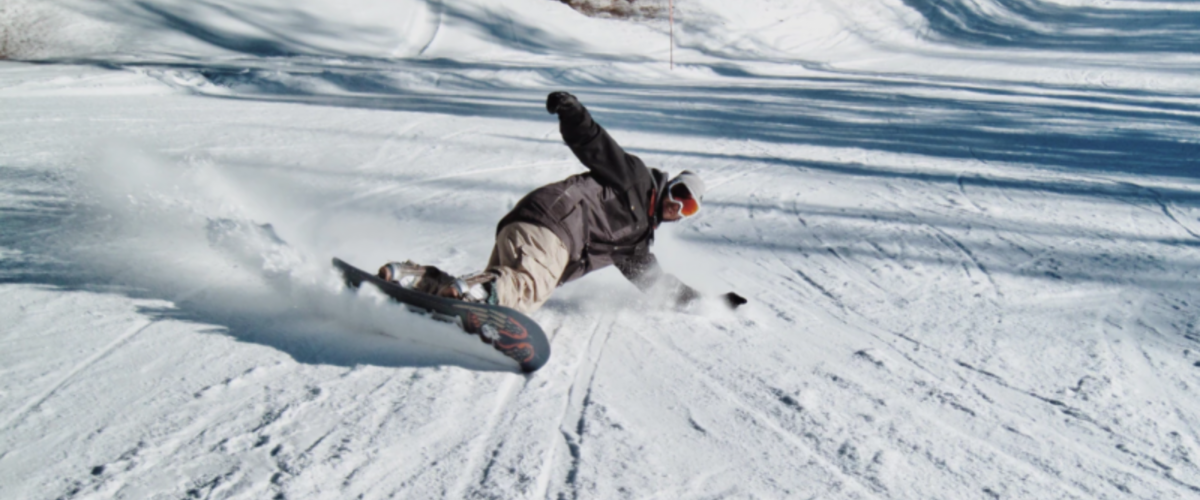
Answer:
(478, 288)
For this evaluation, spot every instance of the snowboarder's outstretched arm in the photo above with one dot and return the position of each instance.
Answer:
(597, 150)
(643, 270)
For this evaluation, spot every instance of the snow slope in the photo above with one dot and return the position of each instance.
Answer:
(969, 231)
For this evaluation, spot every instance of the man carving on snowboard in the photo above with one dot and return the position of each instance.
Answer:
(562, 231)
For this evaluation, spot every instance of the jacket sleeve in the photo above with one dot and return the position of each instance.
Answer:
(643, 270)
(598, 151)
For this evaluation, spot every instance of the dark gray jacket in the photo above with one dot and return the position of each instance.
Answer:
(607, 215)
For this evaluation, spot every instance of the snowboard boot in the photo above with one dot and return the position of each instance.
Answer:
(479, 288)
(413, 276)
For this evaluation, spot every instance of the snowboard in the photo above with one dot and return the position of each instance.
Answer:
(508, 331)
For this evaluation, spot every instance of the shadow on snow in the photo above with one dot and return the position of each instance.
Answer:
(1153, 28)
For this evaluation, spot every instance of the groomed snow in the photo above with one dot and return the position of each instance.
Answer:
(969, 231)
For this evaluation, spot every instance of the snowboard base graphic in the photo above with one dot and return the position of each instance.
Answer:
(508, 331)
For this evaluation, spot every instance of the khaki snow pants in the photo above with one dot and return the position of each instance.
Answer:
(529, 260)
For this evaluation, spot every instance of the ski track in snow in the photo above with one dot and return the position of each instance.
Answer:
(774, 425)
(574, 417)
(74, 372)
(968, 230)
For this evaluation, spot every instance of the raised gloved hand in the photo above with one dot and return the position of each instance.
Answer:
(734, 300)
(562, 104)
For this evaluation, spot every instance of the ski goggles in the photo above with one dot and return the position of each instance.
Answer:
(679, 194)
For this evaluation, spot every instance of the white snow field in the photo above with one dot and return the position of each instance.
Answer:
(969, 231)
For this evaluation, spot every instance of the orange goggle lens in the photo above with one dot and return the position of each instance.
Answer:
(680, 194)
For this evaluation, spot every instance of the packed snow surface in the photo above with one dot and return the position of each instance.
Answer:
(969, 231)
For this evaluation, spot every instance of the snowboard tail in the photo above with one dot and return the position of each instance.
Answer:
(508, 331)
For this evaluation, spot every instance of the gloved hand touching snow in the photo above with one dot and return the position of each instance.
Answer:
(734, 300)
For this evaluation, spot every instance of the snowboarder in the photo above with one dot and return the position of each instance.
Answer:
(564, 230)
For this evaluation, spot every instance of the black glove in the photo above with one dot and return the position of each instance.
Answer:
(734, 300)
(562, 104)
